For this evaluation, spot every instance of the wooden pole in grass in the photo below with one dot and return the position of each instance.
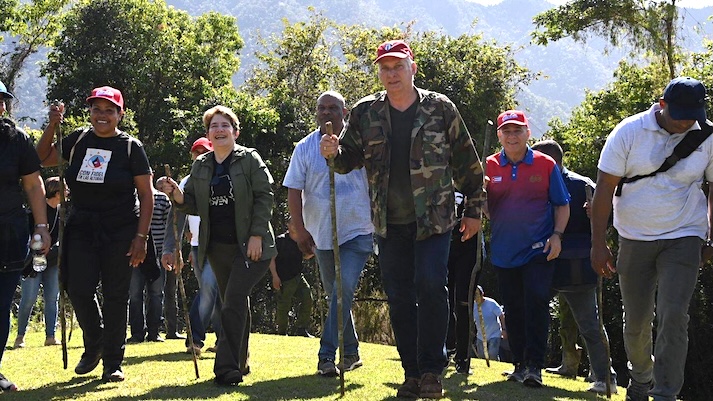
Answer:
(178, 267)
(337, 261)
(62, 216)
(478, 266)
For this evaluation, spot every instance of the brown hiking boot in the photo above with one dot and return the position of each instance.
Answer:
(431, 386)
(410, 388)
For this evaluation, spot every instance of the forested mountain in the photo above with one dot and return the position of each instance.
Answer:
(568, 68)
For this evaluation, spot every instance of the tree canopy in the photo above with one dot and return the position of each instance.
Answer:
(159, 57)
(649, 26)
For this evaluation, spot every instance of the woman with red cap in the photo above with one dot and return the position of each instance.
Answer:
(106, 233)
(19, 171)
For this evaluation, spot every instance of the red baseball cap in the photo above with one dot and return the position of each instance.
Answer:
(107, 92)
(202, 142)
(393, 48)
(512, 117)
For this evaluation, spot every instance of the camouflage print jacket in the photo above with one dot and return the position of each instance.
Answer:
(442, 155)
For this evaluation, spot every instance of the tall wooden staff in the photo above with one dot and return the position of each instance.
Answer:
(600, 309)
(478, 266)
(178, 267)
(337, 261)
(62, 213)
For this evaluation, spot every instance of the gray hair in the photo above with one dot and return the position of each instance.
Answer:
(335, 95)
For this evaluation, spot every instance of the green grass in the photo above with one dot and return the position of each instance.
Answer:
(283, 368)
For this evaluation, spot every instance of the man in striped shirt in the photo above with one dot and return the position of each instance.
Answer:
(145, 312)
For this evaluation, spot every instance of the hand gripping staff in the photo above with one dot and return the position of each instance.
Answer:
(600, 309)
(477, 268)
(62, 213)
(178, 266)
(337, 261)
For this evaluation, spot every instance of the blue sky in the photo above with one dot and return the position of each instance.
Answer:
(681, 3)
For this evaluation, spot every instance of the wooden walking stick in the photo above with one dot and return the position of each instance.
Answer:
(178, 267)
(478, 266)
(600, 310)
(337, 261)
(60, 238)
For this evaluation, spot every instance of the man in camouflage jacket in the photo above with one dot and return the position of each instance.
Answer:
(416, 150)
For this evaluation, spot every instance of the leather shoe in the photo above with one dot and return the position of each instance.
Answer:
(135, 340)
(175, 336)
(87, 363)
(155, 339)
(562, 371)
(232, 378)
(113, 375)
(303, 332)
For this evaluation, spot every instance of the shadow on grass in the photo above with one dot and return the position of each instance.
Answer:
(72, 389)
(469, 389)
(177, 356)
(299, 387)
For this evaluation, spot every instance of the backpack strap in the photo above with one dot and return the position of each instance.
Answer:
(84, 133)
(688, 144)
(81, 136)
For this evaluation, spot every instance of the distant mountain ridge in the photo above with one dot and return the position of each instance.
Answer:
(569, 67)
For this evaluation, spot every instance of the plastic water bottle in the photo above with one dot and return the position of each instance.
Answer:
(39, 260)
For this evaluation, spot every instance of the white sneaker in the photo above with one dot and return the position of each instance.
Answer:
(600, 387)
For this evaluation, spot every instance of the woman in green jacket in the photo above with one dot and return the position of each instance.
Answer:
(230, 189)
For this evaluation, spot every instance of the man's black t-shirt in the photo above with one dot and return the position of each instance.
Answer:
(400, 208)
(289, 257)
(17, 158)
(101, 172)
(222, 204)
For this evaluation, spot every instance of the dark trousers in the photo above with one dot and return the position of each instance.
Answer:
(415, 275)
(104, 327)
(236, 280)
(461, 261)
(525, 292)
(170, 301)
(8, 284)
(145, 304)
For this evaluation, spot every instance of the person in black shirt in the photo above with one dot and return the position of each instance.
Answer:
(49, 278)
(19, 171)
(107, 230)
(230, 189)
(290, 284)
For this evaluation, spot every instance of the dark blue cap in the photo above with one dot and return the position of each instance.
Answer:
(686, 99)
(5, 94)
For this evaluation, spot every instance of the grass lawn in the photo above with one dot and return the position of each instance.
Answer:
(283, 368)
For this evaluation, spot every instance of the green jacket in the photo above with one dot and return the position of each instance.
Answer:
(442, 155)
(252, 189)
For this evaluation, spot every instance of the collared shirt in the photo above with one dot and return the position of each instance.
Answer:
(521, 200)
(308, 172)
(442, 157)
(668, 205)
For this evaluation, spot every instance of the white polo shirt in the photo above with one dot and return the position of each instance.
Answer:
(668, 205)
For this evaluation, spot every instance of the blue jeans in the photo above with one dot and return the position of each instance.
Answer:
(661, 273)
(30, 288)
(353, 255)
(8, 283)
(205, 309)
(415, 275)
(493, 348)
(526, 299)
(146, 320)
